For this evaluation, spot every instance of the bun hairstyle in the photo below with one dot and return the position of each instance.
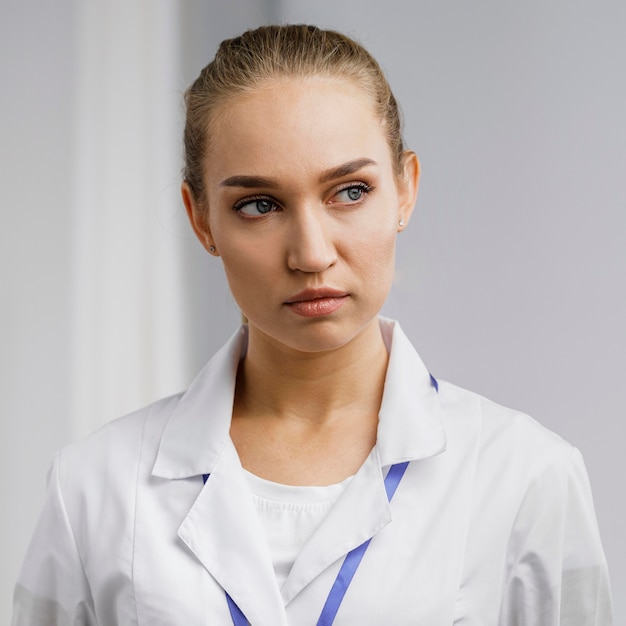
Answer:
(268, 52)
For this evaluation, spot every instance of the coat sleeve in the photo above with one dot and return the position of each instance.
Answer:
(52, 587)
(556, 572)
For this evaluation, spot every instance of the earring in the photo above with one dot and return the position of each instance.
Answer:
(401, 223)
(212, 249)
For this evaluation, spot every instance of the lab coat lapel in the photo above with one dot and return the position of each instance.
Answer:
(223, 531)
(361, 511)
(222, 528)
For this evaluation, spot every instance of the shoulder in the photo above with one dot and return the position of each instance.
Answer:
(532, 535)
(507, 442)
(112, 453)
(527, 480)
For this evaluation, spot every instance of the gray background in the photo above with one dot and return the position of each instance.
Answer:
(511, 277)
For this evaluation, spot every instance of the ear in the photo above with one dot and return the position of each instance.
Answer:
(198, 219)
(408, 183)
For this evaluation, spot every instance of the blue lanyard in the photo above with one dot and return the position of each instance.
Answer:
(350, 563)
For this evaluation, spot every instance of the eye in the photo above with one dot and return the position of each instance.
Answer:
(352, 194)
(255, 207)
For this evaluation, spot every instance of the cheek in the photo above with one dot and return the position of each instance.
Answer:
(374, 254)
(244, 262)
(249, 266)
(240, 255)
(383, 257)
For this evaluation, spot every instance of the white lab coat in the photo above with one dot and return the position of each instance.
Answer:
(492, 524)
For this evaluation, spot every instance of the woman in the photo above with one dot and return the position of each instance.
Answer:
(314, 472)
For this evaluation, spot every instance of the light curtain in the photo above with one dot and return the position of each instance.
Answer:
(128, 302)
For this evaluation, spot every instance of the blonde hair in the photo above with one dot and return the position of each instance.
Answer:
(270, 51)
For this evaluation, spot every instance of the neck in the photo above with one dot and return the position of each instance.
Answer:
(312, 388)
(308, 418)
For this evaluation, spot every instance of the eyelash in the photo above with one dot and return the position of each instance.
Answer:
(364, 187)
(238, 206)
(250, 199)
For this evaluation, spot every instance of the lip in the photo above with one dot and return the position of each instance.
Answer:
(316, 294)
(316, 302)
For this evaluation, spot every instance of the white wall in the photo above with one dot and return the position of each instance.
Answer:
(511, 277)
(35, 121)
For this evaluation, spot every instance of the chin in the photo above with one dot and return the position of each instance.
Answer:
(316, 335)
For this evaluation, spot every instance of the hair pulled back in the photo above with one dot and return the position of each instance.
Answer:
(257, 55)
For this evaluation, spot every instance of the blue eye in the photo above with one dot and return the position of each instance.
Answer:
(352, 194)
(255, 207)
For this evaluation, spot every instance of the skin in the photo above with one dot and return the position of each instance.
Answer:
(310, 387)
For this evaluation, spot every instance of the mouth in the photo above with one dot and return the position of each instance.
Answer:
(317, 302)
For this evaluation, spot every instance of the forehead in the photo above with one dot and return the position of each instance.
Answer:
(299, 125)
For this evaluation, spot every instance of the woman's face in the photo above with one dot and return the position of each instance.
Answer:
(303, 205)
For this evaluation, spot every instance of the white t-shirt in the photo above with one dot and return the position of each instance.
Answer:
(289, 516)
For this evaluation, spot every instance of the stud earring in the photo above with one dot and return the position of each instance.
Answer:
(212, 249)
(401, 223)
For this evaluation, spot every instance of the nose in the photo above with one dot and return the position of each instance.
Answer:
(310, 247)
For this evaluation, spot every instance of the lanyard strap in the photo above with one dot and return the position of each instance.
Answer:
(239, 619)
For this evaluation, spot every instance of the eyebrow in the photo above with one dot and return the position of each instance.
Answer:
(250, 182)
(345, 170)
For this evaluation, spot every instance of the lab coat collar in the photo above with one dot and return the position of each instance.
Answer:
(198, 429)
(410, 425)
